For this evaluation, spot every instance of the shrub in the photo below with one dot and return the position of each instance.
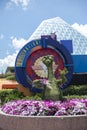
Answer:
(36, 97)
(3, 95)
(8, 95)
(2, 76)
(14, 95)
(10, 77)
(75, 90)
(70, 92)
(75, 97)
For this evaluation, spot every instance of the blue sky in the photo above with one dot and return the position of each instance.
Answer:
(19, 19)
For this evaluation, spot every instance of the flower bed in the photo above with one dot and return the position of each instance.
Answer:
(46, 108)
(37, 115)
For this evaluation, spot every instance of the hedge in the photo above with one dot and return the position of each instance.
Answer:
(7, 95)
(75, 90)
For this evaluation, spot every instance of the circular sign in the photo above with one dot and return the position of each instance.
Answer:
(29, 65)
(36, 69)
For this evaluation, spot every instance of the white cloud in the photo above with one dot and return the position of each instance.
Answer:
(18, 43)
(1, 36)
(81, 28)
(23, 3)
(7, 61)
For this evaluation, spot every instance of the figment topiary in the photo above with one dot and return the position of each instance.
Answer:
(51, 86)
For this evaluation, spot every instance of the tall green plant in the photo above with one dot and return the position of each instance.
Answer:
(51, 89)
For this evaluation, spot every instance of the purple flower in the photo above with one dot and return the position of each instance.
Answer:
(46, 108)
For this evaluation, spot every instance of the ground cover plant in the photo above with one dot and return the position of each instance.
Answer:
(46, 108)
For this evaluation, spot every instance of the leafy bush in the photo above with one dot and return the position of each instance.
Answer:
(36, 97)
(8, 95)
(2, 76)
(6, 75)
(14, 95)
(11, 77)
(70, 92)
(3, 95)
(75, 97)
(75, 90)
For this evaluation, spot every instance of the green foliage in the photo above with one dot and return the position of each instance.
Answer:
(12, 69)
(7, 75)
(9, 70)
(52, 87)
(75, 96)
(63, 75)
(36, 97)
(48, 60)
(2, 76)
(70, 92)
(8, 95)
(14, 95)
(3, 95)
(75, 90)
(11, 77)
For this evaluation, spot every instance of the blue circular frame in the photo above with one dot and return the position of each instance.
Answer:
(25, 52)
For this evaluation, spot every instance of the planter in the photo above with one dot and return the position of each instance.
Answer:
(8, 122)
